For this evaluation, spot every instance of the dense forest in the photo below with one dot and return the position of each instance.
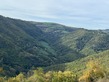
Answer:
(49, 52)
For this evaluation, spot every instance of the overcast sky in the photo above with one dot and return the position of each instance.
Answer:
(90, 14)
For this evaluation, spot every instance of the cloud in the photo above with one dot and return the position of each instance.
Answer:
(92, 14)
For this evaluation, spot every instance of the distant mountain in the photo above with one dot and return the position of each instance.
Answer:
(27, 44)
(107, 30)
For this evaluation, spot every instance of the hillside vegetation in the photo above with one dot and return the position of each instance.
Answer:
(25, 44)
(78, 66)
(93, 73)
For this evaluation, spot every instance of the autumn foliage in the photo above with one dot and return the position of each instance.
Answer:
(94, 72)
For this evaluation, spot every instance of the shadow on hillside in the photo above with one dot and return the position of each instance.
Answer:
(58, 67)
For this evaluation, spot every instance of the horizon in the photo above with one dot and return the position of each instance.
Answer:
(52, 22)
(88, 14)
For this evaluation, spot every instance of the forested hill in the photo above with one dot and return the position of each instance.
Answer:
(26, 44)
(79, 65)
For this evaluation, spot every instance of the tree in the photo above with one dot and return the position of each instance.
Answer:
(93, 72)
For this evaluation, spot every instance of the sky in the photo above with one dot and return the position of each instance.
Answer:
(89, 14)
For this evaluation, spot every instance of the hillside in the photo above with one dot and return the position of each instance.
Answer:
(26, 44)
(78, 66)
(69, 41)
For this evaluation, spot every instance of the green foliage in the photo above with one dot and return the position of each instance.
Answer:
(78, 66)
(40, 76)
(94, 72)
(25, 44)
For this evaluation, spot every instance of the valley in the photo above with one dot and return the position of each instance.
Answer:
(28, 45)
